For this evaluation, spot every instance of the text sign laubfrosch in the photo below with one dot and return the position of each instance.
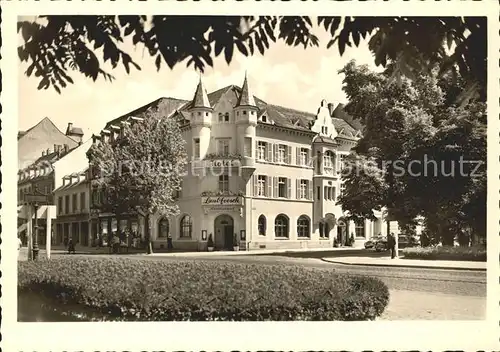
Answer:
(221, 201)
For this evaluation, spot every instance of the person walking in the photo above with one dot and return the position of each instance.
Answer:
(71, 246)
(391, 241)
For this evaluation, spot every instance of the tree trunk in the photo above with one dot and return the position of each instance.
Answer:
(147, 235)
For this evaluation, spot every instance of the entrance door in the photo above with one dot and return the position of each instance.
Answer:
(224, 228)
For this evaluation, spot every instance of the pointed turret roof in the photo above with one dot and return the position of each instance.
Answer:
(246, 96)
(200, 99)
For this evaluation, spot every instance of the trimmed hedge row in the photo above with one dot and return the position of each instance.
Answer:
(476, 253)
(127, 289)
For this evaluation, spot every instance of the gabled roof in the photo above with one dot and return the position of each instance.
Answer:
(38, 138)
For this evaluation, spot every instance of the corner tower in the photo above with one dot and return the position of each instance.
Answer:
(201, 121)
(246, 121)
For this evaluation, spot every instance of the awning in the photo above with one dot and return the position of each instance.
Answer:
(42, 211)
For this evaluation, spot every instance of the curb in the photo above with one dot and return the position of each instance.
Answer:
(404, 266)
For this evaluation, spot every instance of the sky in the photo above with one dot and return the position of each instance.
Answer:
(289, 76)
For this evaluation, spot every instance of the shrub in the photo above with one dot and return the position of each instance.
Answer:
(476, 253)
(136, 290)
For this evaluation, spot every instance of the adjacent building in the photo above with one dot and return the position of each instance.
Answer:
(267, 173)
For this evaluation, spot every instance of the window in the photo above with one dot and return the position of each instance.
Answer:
(186, 226)
(74, 202)
(248, 147)
(82, 201)
(281, 154)
(163, 228)
(282, 189)
(302, 189)
(303, 226)
(318, 192)
(261, 186)
(221, 117)
(302, 157)
(264, 118)
(261, 150)
(59, 205)
(223, 146)
(359, 228)
(342, 188)
(328, 159)
(342, 161)
(329, 193)
(261, 225)
(226, 117)
(66, 204)
(224, 183)
(281, 228)
(324, 130)
(196, 146)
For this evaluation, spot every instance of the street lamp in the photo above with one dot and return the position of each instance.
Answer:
(35, 235)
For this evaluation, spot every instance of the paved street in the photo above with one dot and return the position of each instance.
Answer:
(416, 293)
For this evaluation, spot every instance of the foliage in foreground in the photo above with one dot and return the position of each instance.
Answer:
(53, 46)
(476, 253)
(134, 289)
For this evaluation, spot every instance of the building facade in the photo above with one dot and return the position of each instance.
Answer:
(268, 174)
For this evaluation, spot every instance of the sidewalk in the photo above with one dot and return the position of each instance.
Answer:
(253, 252)
(408, 263)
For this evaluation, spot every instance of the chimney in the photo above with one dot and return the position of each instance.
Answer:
(70, 126)
(43, 152)
(331, 108)
(66, 148)
(56, 148)
(48, 151)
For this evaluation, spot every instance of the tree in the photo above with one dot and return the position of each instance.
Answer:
(406, 127)
(55, 45)
(141, 171)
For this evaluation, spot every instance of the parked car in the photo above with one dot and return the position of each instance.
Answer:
(370, 244)
(381, 245)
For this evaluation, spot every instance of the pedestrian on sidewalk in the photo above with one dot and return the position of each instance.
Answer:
(391, 241)
(71, 246)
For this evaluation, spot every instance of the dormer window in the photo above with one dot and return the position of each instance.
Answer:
(244, 112)
(324, 130)
(264, 118)
(221, 117)
(226, 117)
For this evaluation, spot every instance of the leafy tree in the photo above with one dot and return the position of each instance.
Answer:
(407, 127)
(141, 170)
(55, 45)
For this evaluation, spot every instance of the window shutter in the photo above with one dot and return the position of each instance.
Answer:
(297, 156)
(276, 152)
(269, 185)
(309, 157)
(275, 187)
(269, 152)
(256, 149)
(297, 188)
(310, 189)
(289, 155)
(255, 185)
(289, 190)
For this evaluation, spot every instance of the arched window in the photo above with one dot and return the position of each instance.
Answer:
(226, 117)
(221, 117)
(261, 225)
(303, 226)
(281, 226)
(186, 226)
(163, 227)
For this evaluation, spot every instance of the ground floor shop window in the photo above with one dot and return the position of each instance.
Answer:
(281, 226)
(303, 226)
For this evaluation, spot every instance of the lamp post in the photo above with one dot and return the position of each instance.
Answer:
(35, 234)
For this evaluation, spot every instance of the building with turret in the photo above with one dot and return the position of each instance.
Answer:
(267, 174)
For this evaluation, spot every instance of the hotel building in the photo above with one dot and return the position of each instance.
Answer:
(267, 173)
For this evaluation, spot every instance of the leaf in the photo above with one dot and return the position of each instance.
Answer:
(449, 39)
(241, 47)
(228, 53)
(158, 62)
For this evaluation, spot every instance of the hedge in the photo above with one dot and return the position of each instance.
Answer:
(475, 253)
(126, 289)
